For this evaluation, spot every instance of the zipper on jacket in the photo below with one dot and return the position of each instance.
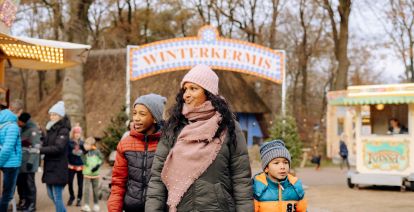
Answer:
(280, 191)
(144, 168)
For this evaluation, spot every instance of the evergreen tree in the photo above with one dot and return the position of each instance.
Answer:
(287, 131)
(114, 132)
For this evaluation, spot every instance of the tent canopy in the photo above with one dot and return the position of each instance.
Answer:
(40, 54)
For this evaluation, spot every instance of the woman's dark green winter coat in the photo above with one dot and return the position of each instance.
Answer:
(224, 186)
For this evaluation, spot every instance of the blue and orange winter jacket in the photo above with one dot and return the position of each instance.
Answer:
(285, 196)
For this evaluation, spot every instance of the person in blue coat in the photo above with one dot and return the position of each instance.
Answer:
(343, 152)
(10, 155)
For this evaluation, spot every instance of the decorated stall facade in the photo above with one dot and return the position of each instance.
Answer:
(363, 116)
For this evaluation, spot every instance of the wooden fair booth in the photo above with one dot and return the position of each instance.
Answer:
(361, 116)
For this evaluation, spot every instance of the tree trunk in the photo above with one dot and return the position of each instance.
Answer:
(275, 13)
(73, 95)
(303, 56)
(304, 92)
(23, 76)
(294, 95)
(42, 77)
(73, 85)
(147, 20)
(58, 76)
(341, 42)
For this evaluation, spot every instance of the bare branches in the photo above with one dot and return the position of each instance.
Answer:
(401, 16)
(340, 41)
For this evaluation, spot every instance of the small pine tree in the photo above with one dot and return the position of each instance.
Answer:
(286, 130)
(115, 130)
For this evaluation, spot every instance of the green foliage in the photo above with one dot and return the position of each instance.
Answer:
(287, 131)
(114, 131)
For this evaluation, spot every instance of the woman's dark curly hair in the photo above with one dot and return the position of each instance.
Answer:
(177, 121)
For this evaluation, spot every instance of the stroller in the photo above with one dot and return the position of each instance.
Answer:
(105, 185)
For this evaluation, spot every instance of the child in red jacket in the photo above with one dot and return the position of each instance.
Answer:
(135, 154)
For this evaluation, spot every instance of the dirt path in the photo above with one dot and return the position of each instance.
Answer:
(327, 191)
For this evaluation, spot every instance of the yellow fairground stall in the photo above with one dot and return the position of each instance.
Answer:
(377, 124)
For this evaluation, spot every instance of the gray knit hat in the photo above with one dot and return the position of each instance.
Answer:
(155, 104)
(273, 149)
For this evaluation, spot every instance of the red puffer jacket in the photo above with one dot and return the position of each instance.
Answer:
(131, 171)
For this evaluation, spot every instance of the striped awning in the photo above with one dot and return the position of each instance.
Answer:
(372, 100)
(373, 94)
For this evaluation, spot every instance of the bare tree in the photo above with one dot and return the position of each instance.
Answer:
(242, 14)
(23, 94)
(40, 85)
(73, 84)
(55, 7)
(306, 39)
(310, 39)
(340, 41)
(402, 34)
(277, 5)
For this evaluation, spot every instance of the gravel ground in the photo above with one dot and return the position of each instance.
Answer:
(326, 191)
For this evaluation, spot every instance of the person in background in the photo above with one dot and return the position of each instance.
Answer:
(130, 125)
(75, 167)
(316, 158)
(343, 152)
(396, 127)
(55, 146)
(26, 184)
(92, 160)
(10, 151)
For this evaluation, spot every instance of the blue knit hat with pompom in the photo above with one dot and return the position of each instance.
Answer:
(273, 149)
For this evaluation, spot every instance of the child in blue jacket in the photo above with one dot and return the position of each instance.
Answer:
(275, 189)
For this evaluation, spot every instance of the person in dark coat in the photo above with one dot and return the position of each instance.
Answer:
(54, 148)
(201, 162)
(343, 152)
(26, 186)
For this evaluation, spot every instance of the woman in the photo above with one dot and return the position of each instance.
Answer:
(54, 148)
(201, 163)
(396, 127)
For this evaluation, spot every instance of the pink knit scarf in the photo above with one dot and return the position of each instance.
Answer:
(194, 151)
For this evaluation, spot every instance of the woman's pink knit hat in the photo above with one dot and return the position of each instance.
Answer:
(203, 76)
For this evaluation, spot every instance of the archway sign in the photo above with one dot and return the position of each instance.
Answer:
(207, 48)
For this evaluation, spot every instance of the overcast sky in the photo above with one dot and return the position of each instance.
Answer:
(367, 23)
